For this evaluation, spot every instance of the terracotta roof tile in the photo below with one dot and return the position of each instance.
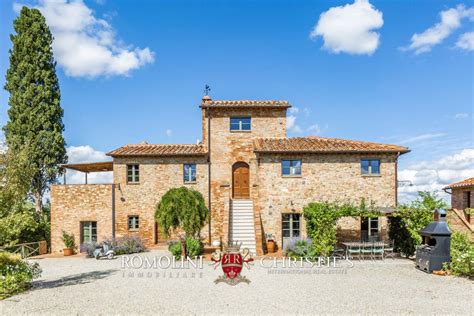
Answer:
(245, 103)
(159, 150)
(461, 184)
(321, 145)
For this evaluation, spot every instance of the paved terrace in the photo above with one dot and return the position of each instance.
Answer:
(87, 286)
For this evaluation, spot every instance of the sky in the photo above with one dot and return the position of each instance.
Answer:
(397, 72)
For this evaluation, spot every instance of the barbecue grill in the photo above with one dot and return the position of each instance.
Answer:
(435, 248)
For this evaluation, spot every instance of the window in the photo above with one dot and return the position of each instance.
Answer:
(370, 166)
(189, 173)
(133, 173)
(240, 123)
(88, 232)
(369, 228)
(291, 168)
(290, 225)
(133, 223)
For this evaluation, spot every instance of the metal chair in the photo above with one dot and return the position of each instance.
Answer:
(378, 250)
(353, 249)
(338, 252)
(389, 249)
(366, 250)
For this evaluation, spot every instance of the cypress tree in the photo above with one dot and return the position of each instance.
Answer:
(35, 126)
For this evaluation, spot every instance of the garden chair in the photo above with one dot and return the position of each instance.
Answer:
(389, 249)
(366, 250)
(353, 249)
(378, 250)
(338, 252)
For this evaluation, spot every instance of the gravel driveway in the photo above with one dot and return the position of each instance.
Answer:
(87, 286)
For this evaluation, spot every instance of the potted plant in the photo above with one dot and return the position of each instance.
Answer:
(69, 244)
(270, 243)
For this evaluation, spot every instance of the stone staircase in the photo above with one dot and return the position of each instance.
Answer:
(241, 226)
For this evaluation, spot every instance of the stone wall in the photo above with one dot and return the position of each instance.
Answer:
(229, 147)
(73, 203)
(325, 177)
(459, 198)
(157, 176)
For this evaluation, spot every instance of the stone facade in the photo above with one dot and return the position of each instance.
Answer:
(75, 203)
(325, 177)
(157, 175)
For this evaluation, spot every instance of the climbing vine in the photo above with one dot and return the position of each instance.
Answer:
(321, 219)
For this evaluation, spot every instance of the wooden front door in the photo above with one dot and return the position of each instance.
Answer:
(240, 182)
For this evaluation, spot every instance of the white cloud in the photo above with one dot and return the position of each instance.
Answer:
(314, 129)
(168, 132)
(460, 116)
(435, 175)
(291, 124)
(450, 21)
(294, 110)
(85, 46)
(350, 28)
(419, 138)
(466, 41)
(82, 154)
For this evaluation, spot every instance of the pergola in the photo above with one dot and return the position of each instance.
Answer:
(87, 168)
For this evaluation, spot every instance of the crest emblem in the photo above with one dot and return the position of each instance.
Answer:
(232, 261)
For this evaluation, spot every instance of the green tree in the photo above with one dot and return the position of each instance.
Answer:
(35, 126)
(182, 208)
(411, 218)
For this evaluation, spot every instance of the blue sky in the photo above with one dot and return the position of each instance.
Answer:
(377, 83)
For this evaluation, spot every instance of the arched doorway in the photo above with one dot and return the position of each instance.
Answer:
(240, 181)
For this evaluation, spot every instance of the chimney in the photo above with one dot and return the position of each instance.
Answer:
(206, 99)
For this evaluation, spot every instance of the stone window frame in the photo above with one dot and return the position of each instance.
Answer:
(370, 174)
(184, 173)
(135, 223)
(291, 175)
(240, 129)
(135, 176)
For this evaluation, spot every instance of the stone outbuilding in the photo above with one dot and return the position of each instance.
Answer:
(254, 179)
(461, 215)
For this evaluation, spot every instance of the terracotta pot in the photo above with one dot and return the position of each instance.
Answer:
(270, 246)
(68, 251)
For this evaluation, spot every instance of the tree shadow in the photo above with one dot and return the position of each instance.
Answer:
(81, 278)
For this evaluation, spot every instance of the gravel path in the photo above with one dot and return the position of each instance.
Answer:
(87, 286)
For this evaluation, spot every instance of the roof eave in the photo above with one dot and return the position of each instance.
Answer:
(331, 152)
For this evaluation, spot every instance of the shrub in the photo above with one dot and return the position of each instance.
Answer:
(300, 249)
(90, 248)
(410, 219)
(68, 240)
(193, 247)
(15, 274)
(462, 255)
(175, 249)
(183, 208)
(128, 245)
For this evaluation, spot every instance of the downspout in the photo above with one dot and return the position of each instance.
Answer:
(113, 211)
(208, 113)
(396, 179)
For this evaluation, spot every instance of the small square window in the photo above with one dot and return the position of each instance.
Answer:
(189, 173)
(133, 222)
(291, 168)
(240, 123)
(370, 166)
(133, 173)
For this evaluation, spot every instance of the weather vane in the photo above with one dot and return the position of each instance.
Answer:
(207, 89)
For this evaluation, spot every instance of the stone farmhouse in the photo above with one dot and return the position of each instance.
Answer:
(255, 181)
